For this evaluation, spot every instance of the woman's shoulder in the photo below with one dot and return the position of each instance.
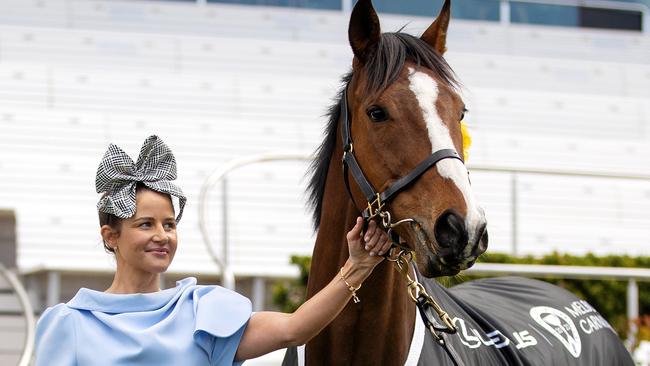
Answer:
(211, 293)
(56, 338)
(60, 317)
(218, 291)
(55, 322)
(220, 311)
(58, 312)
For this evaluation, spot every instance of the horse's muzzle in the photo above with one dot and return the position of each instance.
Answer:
(457, 246)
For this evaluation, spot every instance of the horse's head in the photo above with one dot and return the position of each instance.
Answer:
(404, 105)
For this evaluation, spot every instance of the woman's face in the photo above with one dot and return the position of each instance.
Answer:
(147, 240)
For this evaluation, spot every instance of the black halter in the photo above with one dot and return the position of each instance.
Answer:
(376, 200)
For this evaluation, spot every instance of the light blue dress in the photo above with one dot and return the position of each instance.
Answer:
(186, 325)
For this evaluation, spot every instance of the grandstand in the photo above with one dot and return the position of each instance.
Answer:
(222, 81)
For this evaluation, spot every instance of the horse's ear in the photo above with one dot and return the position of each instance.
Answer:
(364, 32)
(436, 34)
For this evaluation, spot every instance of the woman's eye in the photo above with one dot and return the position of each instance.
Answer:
(170, 225)
(377, 114)
(145, 224)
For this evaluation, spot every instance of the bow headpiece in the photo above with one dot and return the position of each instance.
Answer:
(117, 177)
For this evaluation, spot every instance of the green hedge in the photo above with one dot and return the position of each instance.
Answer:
(290, 294)
(607, 296)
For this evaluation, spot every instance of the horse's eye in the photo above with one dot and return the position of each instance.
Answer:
(462, 114)
(377, 114)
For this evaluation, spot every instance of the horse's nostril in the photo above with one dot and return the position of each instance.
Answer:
(483, 240)
(450, 230)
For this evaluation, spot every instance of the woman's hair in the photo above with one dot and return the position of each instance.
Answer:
(115, 222)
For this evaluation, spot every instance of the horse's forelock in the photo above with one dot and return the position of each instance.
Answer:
(393, 50)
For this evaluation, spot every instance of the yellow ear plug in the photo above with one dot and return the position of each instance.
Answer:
(467, 140)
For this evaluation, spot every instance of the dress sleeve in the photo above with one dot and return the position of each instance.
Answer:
(55, 338)
(221, 317)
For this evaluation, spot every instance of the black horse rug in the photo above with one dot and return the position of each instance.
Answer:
(513, 321)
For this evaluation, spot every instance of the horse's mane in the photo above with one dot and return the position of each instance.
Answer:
(382, 69)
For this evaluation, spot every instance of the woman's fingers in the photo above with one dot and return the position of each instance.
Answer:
(383, 243)
(376, 240)
(368, 249)
(369, 235)
(370, 231)
(385, 246)
(373, 242)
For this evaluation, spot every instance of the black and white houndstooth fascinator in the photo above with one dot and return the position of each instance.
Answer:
(117, 177)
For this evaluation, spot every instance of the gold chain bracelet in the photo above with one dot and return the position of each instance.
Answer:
(350, 287)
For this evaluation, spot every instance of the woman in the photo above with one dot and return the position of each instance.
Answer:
(134, 322)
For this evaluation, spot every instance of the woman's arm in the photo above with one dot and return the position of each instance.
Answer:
(269, 331)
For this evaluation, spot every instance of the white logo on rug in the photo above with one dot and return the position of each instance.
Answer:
(560, 325)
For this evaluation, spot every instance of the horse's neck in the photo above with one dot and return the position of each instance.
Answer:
(376, 331)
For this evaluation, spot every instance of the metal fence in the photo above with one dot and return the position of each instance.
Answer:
(27, 310)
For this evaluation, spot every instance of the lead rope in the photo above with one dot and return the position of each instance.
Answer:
(424, 302)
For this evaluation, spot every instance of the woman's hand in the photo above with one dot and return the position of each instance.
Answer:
(367, 250)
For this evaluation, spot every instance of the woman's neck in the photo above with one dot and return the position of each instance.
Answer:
(132, 283)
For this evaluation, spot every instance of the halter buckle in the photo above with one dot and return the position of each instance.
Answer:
(375, 208)
(347, 149)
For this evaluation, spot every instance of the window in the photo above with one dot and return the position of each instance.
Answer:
(460, 9)
(611, 19)
(543, 14)
(311, 4)
(575, 16)
(476, 10)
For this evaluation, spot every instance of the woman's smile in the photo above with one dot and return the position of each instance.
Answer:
(158, 251)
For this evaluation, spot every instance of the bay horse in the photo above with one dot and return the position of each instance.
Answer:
(397, 127)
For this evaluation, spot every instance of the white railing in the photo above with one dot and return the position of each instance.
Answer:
(514, 173)
(219, 175)
(28, 311)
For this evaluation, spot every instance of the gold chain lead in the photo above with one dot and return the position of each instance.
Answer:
(415, 288)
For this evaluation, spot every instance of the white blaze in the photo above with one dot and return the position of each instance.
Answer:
(425, 89)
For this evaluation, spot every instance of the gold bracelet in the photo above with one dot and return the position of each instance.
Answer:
(350, 287)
